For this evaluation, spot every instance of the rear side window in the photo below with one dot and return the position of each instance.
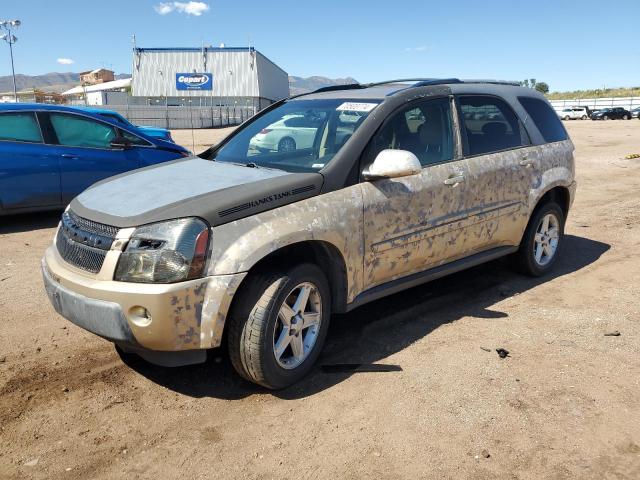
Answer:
(491, 125)
(545, 118)
(77, 131)
(20, 127)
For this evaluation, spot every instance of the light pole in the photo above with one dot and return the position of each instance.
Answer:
(10, 38)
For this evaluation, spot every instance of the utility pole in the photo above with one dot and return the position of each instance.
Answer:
(10, 38)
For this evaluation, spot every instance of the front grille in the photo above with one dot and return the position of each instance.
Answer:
(84, 243)
(92, 227)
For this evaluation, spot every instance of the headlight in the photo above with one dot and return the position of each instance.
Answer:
(165, 252)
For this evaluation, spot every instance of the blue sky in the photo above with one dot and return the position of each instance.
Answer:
(570, 44)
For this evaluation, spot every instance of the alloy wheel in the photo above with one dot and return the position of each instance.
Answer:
(287, 144)
(546, 239)
(297, 326)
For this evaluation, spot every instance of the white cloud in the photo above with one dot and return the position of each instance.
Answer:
(164, 8)
(421, 48)
(190, 8)
(65, 61)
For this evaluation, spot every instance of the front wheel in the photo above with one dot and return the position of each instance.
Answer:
(278, 325)
(566, 118)
(542, 240)
(583, 117)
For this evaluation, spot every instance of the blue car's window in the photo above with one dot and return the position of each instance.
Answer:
(20, 127)
(76, 131)
(133, 139)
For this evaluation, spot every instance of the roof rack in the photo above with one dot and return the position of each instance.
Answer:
(417, 82)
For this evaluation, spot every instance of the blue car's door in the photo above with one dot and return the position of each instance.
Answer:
(86, 153)
(29, 169)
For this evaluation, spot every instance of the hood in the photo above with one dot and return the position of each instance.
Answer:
(218, 192)
(153, 131)
(164, 143)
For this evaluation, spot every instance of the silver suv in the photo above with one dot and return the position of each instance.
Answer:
(371, 190)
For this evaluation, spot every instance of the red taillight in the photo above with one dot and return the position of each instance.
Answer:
(265, 130)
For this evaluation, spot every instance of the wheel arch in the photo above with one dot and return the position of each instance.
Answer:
(559, 194)
(323, 254)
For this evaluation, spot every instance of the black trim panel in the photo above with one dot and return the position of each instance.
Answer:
(419, 278)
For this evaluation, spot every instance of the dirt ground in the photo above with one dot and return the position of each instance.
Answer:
(564, 404)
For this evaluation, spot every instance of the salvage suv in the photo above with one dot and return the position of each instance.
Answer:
(403, 182)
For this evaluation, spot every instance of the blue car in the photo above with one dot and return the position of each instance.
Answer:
(154, 132)
(51, 153)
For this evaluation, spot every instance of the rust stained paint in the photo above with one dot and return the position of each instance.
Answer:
(218, 295)
(415, 223)
(335, 218)
(391, 228)
(186, 307)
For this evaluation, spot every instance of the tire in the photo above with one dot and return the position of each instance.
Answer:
(286, 144)
(605, 118)
(256, 326)
(583, 117)
(527, 257)
(566, 118)
(625, 117)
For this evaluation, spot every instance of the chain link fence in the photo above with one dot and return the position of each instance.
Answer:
(597, 103)
(171, 117)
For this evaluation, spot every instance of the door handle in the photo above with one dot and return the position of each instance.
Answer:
(69, 155)
(454, 180)
(526, 162)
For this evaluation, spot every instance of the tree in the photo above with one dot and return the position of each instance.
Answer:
(532, 83)
(525, 83)
(542, 87)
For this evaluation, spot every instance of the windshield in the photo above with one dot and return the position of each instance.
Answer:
(298, 136)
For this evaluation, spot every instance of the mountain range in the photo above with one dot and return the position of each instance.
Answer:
(303, 85)
(59, 82)
(48, 82)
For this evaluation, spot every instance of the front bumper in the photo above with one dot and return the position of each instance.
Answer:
(181, 316)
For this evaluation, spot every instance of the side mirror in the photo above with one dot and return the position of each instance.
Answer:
(393, 164)
(120, 142)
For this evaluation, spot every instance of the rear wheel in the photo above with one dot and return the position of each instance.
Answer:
(286, 144)
(583, 117)
(566, 117)
(278, 325)
(625, 117)
(542, 240)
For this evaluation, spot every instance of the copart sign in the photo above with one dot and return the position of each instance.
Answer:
(194, 81)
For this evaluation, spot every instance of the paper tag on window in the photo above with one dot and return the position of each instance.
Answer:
(356, 107)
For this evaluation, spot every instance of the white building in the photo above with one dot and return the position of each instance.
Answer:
(207, 76)
(99, 94)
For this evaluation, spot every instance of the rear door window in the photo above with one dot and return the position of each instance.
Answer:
(545, 119)
(20, 127)
(77, 131)
(490, 125)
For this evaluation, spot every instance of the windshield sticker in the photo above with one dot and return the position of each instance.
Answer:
(356, 107)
